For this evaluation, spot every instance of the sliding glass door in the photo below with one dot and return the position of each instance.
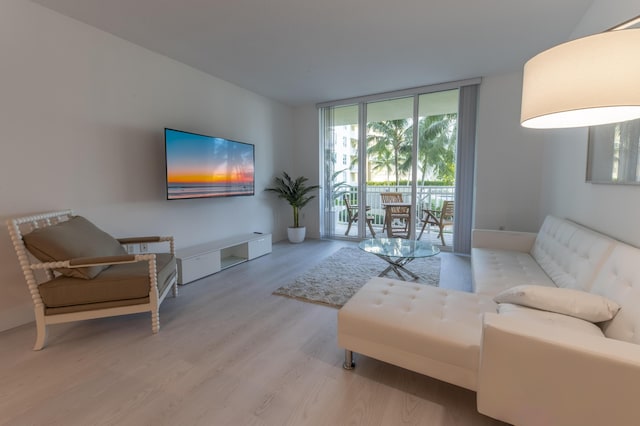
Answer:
(436, 165)
(341, 202)
(402, 146)
(389, 154)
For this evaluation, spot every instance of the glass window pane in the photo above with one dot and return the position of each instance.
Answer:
(340, 132)
(388, 166)
(436, 165)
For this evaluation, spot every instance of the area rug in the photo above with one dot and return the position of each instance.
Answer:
(334, 280)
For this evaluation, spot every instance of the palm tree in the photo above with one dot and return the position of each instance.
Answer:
(383, 162)
(393, 136)
(338, 186)
(436, 151)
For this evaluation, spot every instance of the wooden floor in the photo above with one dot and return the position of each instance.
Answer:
(228, 353)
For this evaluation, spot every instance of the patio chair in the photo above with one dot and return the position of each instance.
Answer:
(398, 218)
(352, 213)
(440, 218)
(75, 271)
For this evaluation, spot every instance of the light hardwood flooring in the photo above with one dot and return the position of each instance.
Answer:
(228, 353)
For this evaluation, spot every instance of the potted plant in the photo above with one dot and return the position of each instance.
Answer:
(297, 194)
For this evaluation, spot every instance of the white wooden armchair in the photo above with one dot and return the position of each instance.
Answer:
(75, 271)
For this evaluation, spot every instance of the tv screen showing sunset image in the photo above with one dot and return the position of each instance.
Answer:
(201, 166)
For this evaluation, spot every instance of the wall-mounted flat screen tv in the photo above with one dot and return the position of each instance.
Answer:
(200, 166)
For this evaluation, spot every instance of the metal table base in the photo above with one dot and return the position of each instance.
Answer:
(396, 264)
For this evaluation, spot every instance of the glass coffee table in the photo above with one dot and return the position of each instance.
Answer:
(397, 252)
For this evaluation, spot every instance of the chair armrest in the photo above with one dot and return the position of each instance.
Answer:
(503, 240)
(149, 239)
(533, 374)
(83, 262)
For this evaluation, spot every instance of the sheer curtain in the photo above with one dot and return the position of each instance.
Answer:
(465, 160)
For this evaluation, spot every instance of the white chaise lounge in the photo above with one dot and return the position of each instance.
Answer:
(422, 328)
(533, 358)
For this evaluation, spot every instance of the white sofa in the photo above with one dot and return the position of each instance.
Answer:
(561, 254)
(528, 366)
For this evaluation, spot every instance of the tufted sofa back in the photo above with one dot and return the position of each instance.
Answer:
(570, 254)
(619, 280)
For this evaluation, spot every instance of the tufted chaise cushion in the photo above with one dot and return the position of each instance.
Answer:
(427, 329)
(570, 254)
(496, 270)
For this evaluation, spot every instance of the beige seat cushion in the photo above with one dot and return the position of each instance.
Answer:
(74, 238)
(119, 282)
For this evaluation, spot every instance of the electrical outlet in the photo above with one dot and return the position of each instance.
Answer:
(144, 247)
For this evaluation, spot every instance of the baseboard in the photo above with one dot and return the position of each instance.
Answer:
(16, 316)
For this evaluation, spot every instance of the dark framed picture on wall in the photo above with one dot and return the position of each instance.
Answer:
(613, 155)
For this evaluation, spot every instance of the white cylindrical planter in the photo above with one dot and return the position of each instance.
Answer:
(296, 235)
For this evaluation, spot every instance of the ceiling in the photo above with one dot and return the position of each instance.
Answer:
(308, 51)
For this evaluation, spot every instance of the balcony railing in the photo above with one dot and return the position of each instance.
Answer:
(426, 197)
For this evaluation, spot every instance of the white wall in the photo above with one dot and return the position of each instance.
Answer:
(609, 208)
(508, 159)
(82, 116)
(306, 153)
(523, 175)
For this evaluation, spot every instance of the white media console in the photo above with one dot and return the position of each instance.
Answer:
(205, 259)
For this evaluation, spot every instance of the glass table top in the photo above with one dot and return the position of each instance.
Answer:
(398, 247)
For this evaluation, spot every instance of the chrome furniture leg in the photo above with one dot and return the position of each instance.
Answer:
(397, 265)
(349, 364)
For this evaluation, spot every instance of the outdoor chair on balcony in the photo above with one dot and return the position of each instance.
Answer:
(352, 215)
(397, 219)
(439, 218)
(75, 271)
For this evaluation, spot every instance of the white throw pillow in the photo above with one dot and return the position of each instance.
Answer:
(557, 321)
(566, 301)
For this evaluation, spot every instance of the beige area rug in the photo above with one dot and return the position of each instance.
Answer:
(334, 280)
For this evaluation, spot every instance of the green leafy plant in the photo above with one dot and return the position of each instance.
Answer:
(295, 192)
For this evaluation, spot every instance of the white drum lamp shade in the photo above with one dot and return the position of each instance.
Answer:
(585, 82)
